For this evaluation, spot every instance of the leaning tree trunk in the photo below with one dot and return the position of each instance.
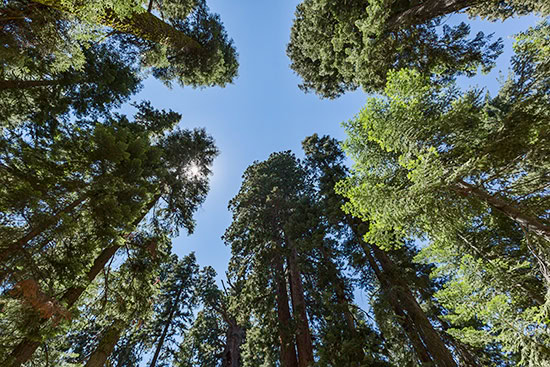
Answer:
(16, 246)
(25, 349)
(288, 348)
(431, 337)
(303, 336)
(106, 346)
(143, 25)
(339, 288)
(428, 9)
(526, 221)
(403, 319)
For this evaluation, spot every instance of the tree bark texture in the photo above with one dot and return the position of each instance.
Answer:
(303, 335)
(234, 338)
(288, 348)
(426, 10)
(106, 346)
(530, 223)
(143, 25)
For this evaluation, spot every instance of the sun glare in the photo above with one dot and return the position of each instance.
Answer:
(194, 170)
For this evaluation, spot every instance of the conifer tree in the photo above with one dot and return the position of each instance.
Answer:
(338, 46)
(260, 233)
(325, 160)
(153, 182)
(459, 154)
(182, 42)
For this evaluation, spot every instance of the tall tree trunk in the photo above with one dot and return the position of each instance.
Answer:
(26, 84)
(106, 346)
(303, 336)
(168, 323)
(339, 288)
(143, 25)
(14, 247)
(528, 222)
(288, 348)
(25, 349)
(403, 319)
(234, 339)
(428, 9)
(430, 336)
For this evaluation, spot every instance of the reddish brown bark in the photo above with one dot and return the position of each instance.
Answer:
(303, 335)
(288, 348)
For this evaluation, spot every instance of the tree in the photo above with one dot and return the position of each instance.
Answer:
(325, 160)
(458, 154)
(216, 335)
(337, 46)
(35, 92)
(152, 181)
(260, 232)
(174, 308)
(467, 173)
(188, 45)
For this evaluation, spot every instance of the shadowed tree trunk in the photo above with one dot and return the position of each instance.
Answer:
(431, 337)
(428, 9)
(143, 25)
(288, 348)
(14, 247)
(530, 223)
(167, 323)
(403, 319)
(303, 336)
(234, 339)
(106, 346)
(339, 288)
(25, 349)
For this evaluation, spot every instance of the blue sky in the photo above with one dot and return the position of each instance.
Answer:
(264, 111)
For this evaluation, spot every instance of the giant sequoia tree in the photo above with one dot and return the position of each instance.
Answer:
(261, 236)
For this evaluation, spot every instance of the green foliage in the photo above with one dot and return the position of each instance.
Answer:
(416, 148)
(338, 46)
(493, 10)
(413, 145)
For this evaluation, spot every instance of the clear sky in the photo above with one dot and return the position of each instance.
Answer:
(264, 111)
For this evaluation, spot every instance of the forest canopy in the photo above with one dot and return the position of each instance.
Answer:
(421, 239)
